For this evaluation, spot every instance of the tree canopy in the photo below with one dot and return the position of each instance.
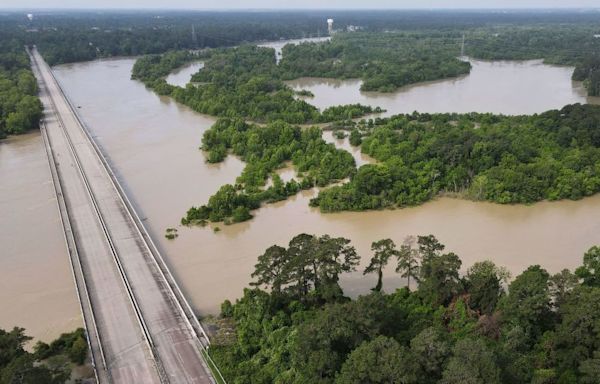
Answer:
(20, 109)
(505, 159)
(241, 82)
(48, 364)
(469, 329)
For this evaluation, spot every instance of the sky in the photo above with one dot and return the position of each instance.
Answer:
(299, 4)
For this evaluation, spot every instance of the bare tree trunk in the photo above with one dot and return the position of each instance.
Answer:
(379, 281)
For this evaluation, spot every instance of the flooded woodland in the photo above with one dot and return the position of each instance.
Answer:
(153, 144)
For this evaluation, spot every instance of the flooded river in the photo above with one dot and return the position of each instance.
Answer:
(36, 287)
(181, 76)
(505, 87)
(152, 142)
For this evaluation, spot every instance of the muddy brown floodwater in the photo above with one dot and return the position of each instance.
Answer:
(181, 76)
(278, 45)
(36, 287)
(152, 142)
(505, 87)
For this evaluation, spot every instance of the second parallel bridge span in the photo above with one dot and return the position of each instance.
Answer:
(139, 325)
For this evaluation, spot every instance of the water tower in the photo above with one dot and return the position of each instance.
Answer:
(330, 26)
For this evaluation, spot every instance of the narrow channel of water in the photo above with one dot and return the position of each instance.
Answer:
(359, 157)
(278, 45)
(181, 76)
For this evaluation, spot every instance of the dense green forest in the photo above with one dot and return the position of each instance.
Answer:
(68, 36)
(265, 149)
(73, 36)
(20, 109)
(152, 69)
(555, 43)
(453, 328)
(238, 82)
(47, 364)
(384, 61)
(504, 159)
(501, 159)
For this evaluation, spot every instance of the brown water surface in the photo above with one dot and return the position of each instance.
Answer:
(506, 87)
(359, 157)
(153, 144)
(36, 285)
(181, 76)
(278, 45)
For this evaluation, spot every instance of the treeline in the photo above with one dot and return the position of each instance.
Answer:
(588, 71)
(475, 328)
(504, 159)
(555, 43)
(152, 69)
(48, 364)
(239, 82)
(266, 149)
(387, 61)
(64, 37)
(20, 109)
(384, 61)
(69, 36)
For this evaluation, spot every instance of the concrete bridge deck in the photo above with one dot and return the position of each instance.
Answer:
(139, 325)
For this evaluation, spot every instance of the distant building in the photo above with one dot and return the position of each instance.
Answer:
(30, 16)
(330, 26)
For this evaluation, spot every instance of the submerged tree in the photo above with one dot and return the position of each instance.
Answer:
(439, 280)
(429, 246)
(450, 331)
(334, 256)
(300, 267)
(270, 269)
(308, 263)
(408, 260)
(383, 251)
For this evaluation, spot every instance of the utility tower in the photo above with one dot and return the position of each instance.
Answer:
(194, 38)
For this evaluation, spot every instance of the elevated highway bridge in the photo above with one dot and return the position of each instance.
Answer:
(140, 327)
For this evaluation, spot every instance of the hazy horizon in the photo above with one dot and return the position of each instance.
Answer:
(225, 5)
